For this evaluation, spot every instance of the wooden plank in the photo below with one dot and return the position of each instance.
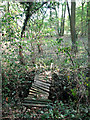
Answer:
(48, 82)
(37, 95)
(44, 100)
(42, 92)
(38, 90)
(39, 87)
(42, 87)
(43, 83)
(35, 102)
(34, 105)
(31, 96)
(33, 92)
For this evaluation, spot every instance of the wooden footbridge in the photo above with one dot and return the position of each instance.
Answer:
(39, 92)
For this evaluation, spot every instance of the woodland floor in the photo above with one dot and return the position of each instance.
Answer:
(50, 50)
(50, 60)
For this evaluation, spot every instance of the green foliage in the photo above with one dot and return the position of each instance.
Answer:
(59, 40)
(62, 111)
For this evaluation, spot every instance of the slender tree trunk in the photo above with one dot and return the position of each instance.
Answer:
(8, 6)
(69, 13)
(73, 31)
(88, 16)
(0, 70)
(61, 29)
(21, 57)
(50, 20)
(57, 22)
(0, 80)
(64, 19)
(33, 57)
(73, 22)
(82, 20)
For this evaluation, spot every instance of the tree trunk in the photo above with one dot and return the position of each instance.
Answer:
(82, 20)
(50, 20)
(0, 83)
(69, 16)
(57, 21)
(72, 25)
(64, 19)
(9, 31)
(88, 17)
(69, 13)
(8, 6)
(33, 57)
(0, 69)
(61, 22)
(21, 57)
(73, 31)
